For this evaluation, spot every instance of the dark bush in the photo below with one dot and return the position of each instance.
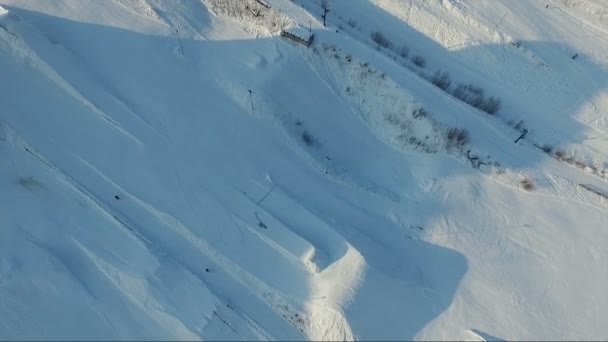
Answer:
(457, 137)
(419, 61)
(308, 139)
(527, 184)
(381, 40)
(419, 113)
(475, 96)
(492, 105)
(580, 164)
(441, 80)
(404, 51)
(460, 92)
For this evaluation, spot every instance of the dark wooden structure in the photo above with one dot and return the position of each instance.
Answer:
(306, 41)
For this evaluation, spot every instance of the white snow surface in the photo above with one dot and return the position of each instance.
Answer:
(178, 173)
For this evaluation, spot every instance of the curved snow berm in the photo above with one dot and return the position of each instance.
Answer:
(173, 169)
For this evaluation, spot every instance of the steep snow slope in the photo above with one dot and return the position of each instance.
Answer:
(520, 51)
(227, 184)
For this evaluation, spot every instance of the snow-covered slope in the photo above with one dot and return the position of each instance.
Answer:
(176, 170)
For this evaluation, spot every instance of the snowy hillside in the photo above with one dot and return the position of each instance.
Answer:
(179, 170)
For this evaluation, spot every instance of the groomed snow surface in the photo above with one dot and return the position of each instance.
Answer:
(175, 170)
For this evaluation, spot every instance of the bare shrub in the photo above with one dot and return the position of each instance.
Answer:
(441, 80)
(404, 51)
(420, 113)
(473, 159)
(467, 93)
(492, 105)
(381, 40)
(456, 137)
(580, 164)
(527, 184)
(419, 61)
(460, 92)
(308, 139)
(475, 96)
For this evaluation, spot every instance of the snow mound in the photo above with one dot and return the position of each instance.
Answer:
(3, 11)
